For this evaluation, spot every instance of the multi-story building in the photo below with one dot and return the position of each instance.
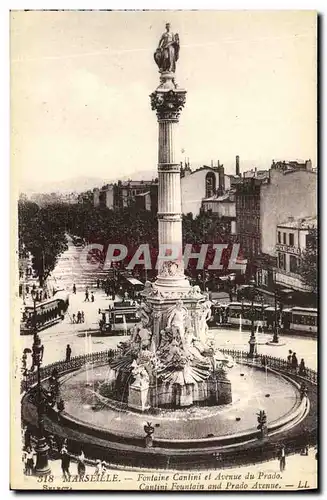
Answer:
(292, 238)
(266, 197)
(247, 208)
(222, 207)
(123, 194)
(203, 184)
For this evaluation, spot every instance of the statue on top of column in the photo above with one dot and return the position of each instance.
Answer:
(167, 52)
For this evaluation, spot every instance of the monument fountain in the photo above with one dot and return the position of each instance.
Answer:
(169, 360)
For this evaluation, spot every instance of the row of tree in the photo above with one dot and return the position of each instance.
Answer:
(42, 232)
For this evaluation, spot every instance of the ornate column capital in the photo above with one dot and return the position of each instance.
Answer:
(168, 104)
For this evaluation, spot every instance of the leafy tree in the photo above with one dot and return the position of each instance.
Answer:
(309, 261)
(42, 233)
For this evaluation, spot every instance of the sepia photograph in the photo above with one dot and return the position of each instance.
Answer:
(164, 253)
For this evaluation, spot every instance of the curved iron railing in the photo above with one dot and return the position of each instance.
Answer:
(96, 357)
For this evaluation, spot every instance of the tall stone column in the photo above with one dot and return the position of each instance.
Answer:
(168, 100)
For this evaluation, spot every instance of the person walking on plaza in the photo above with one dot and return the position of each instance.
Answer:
(282, 458)
(302, 368)
(289, 358)
(87, 296)
(98, 468)
(65, 463)
(74, 288)
(82, 317)
(98, 283)
(68, 353)
(81, 465)
(79, 317)
(294, 361)
(92, 297)
(74, 318)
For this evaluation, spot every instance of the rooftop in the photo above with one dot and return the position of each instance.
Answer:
(300, 222)
(224, 197)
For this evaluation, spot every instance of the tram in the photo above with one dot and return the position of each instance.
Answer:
(119, 318)
(44, 314)
(304, 319)
(295, 319)
(241, 313)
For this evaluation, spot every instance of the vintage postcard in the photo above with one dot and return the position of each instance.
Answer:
(164, 250)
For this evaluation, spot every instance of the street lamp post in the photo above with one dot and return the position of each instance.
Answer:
(253, 340)
(275, 339)
(42, 465)
(34, 297)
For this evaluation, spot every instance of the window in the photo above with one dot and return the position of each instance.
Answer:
(279, 239)
(293, 264)
(291, 239)
(284, 238)
(282, 261)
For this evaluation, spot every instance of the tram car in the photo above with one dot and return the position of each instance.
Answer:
(304, 319)
(44, 314)
(118, 319)
(241, 313)
(294, 319)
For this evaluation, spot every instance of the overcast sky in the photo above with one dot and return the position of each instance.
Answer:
(80, 85)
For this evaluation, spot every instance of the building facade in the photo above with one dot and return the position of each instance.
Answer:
(289, 193)
(266, 197)
(124, 194)
(223, 207)
(247, 209)
(292, 239)
(205, 182)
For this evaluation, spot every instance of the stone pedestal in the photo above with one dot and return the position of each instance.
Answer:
(138, 398)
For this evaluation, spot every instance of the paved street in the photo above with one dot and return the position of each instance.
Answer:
(58, 336)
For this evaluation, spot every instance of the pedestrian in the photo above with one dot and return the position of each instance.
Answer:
(74, 288)
(294, 361)
(82, 317)
(98, 468)
(289, 358)
(104, 466)
(98, 283)
(65, 463)
(282, 458)
(27, 289)
(81, 465)
(52, 446)
(79, 317)
(29, 461)
(87, 296)
(302, 367)
(68, 353)
(74, 318)
(92, 297)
